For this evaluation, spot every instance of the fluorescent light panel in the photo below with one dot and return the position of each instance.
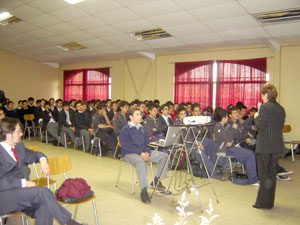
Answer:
(5, 15)
(73, 2)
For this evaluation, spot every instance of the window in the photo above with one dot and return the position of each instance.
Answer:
(240, 80)
(87, 84)
(193, 82)
(220, 83)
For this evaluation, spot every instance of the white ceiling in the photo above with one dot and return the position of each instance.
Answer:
(103, 26)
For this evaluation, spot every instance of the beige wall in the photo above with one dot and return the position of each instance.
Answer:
(21, 78)
(290, 87)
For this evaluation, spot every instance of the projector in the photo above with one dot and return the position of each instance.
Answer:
(196, 120)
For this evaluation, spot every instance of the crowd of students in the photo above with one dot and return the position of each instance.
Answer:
(233, 132)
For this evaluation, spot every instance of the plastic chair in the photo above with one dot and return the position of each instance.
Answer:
(287, 129)
(21, 214)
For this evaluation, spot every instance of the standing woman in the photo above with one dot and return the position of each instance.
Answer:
(269, 123)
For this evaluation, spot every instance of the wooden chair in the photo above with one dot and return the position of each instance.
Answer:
(21, 214)
(62, 165)
(287, 129)
(29, 119)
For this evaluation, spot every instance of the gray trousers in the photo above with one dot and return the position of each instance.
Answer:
(87, 138)
(69, 133)
(141, 169)
(52, 130)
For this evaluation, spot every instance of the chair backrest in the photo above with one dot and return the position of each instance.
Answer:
(59, 165)
(28, 117)
(287, 129)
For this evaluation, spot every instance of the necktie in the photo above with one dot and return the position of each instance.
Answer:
(13, 150)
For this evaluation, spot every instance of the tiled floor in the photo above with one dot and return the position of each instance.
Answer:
(116, 206)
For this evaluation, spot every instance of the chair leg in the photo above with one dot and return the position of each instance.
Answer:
(75, 212)
(65, 140)
(28, 131)
(292, 151)
(75, 144)
(152, 173)
(212, 173)
(230, 164)
(95, 212)
(132, 179)
(99, 145)
(46, 137)
(83, 145)
(115, 153)
(121, 167)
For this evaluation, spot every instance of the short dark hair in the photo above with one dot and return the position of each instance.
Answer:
(58, 100)
(152, 106)
(219, 114)
(130, 113)
(101, 105)
(123, 103)
(180, 109)
(163, 106)
(7, 126)
(195, 105)
(78, 102)
(30, 99)
(233, 108)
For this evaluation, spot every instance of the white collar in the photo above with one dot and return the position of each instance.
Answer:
(137, 126)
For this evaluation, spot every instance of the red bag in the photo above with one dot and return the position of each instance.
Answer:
(74, 190)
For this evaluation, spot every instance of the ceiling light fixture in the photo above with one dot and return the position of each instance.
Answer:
(72, 46)
(73, 2)
(5, 16)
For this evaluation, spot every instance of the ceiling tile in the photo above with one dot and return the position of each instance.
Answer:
(41, 33)
(44, 20)
(77, 36)
(232, 23)
(93, 43)
(154, 8)
(132, 2)
(56, 40)
(200, 38)
(115, 39)
(61, 28)
(192, 4)
(241, 34)
(256, 6)
(103, 31)
(172, 19)
(97, 6)
(134, 25)
(117, 16)
(133, 46)
(220, 11)
(25, 12)
(164, 42)
(23, 27)
(68, 14)
(283, 29)
(184, 29)
(48, 6)
(86, 23)
(7, 5)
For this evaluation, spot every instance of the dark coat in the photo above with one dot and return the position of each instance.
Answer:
(269, 123)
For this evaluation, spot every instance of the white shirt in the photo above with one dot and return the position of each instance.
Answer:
(166, 119)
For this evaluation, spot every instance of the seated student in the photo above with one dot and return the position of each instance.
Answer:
(16, 192)
(238, 131)
(2, 113)
(91, 108)
(30, 103)
(120, 121)
(152, 125)
(11, 112)
(57, 108)
(64, 123)
(207, 146)
(135, 150)
(172, 112)
(188, 108)
(225, 143)
(164, 118)
(113, 112)
(102, 127)
(19, 107)
(83, 125)
(142, 107)
(49, 124)
(52, 104)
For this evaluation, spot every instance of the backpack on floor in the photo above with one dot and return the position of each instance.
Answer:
(74, 190)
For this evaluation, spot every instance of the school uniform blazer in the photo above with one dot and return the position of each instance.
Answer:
(11, 173)
(269, 123)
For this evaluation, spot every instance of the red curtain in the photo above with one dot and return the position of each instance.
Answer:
(240, 80)
(193, 82)
(86, 84)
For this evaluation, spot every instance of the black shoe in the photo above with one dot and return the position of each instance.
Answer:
(158, 185)
(145, 197)
(258, 207)
(219, 177)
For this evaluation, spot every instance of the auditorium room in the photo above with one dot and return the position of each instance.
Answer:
(149, 112)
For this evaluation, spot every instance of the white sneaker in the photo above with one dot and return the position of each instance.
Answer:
(285, 178)
(285, 173)
(256, 184)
